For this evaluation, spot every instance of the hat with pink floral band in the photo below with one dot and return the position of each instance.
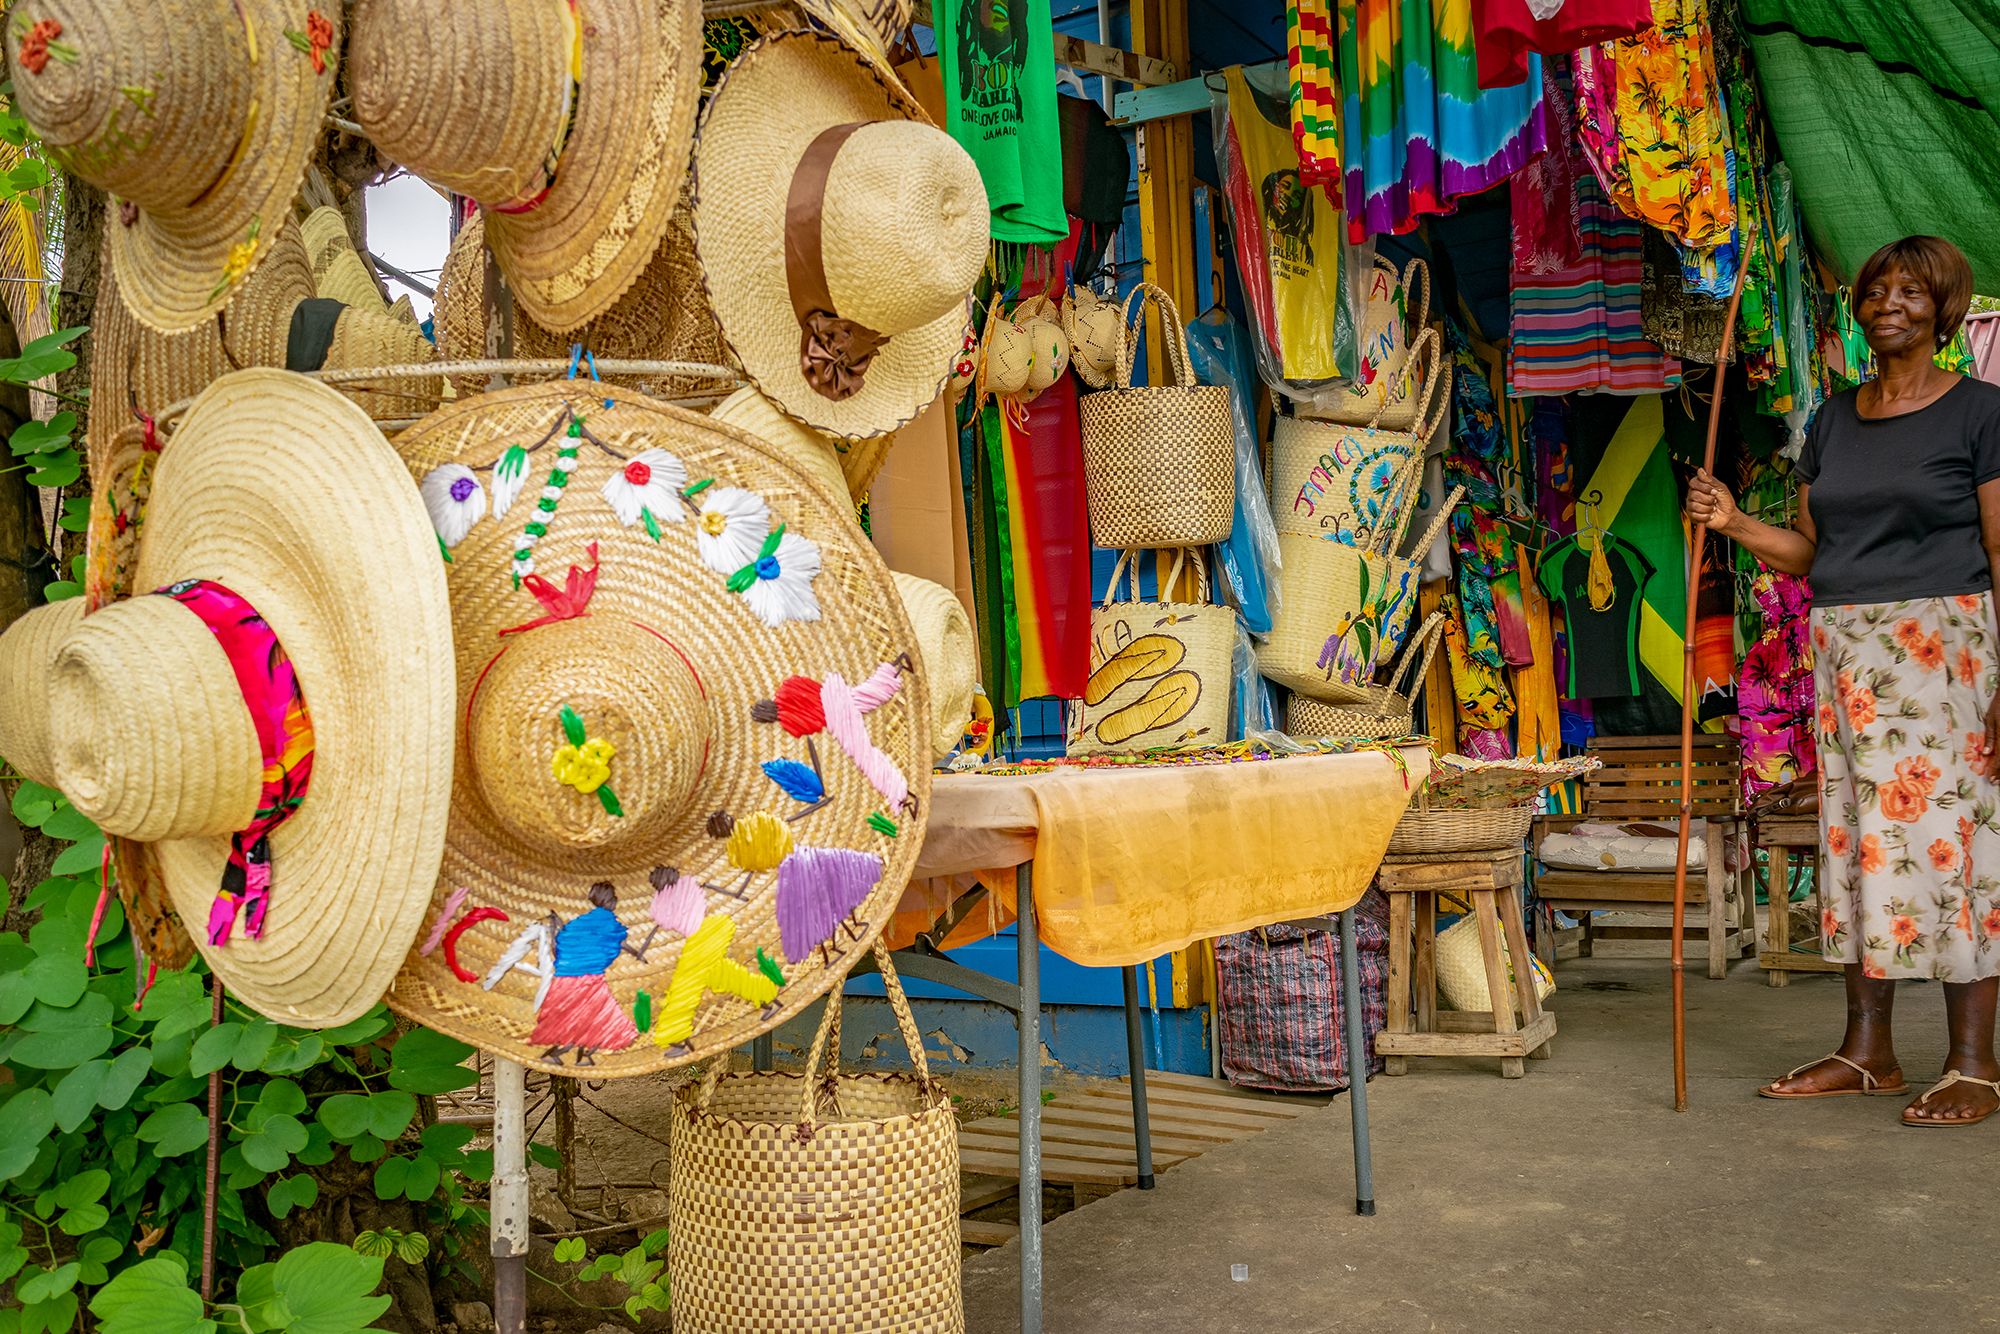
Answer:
(694, 736)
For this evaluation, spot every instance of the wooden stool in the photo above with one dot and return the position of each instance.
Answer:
(1781, 836)
(1491, 883)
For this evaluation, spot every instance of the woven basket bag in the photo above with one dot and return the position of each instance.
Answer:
(803, 1204)
(1390, 709)
(1327, 477)
(1159, 461)
(1385, 392)
(1461, 967)
(1160, 672)
(1402, 577)
(1331, 600)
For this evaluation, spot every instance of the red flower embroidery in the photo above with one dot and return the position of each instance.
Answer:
(1860, 708)
(1838, 841)
(1903, 802)
(1920, 772)
(1929, 652)
(1904, 929)
(1829, 721)
(1908, 633)
(319, 32)
(35, 45)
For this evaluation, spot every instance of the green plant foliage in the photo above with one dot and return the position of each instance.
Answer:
(639, 1271)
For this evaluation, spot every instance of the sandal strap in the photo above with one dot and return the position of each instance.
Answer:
(1954, 1077)
(1868, 1079)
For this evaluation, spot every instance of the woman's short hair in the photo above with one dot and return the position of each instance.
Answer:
(1936, 263)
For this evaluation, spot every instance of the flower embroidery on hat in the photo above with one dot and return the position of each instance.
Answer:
(647, 490)
(315, 40)
(454, 500)
(583, 762)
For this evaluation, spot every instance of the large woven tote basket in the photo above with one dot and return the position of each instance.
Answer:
(1386, 392)
(1159, 671)
(1159, 461)
(816, 1203)
(1388, 712)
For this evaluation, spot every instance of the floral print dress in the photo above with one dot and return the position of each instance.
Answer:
(1908, 810)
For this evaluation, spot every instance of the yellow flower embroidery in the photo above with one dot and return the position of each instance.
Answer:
(585, 768)
(759, 842)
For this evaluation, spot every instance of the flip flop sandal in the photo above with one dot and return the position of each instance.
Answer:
(1953, 1077)
(1871, 1086)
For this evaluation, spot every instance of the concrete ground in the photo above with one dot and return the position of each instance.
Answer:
(1573, 1199)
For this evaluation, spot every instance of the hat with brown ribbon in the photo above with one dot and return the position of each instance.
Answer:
(569, 122)
(694, 747)
(839, 235)
(271, 713)
(197, 117)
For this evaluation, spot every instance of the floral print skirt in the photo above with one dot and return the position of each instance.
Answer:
(1911, 879)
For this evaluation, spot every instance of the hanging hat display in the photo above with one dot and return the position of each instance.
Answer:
(569, 123)
(271, 713)
(816, 456)
(694, 753)
(198, 119)
(839, 241)
(337, 267)
(948, 650)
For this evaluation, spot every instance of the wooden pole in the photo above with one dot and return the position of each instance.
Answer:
(508, 1206)
(1695, 564)
(213, 1176)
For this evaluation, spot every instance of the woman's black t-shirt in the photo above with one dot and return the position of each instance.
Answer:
(1895, 499)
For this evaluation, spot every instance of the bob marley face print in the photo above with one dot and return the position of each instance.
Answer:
(1288, 217)
(992, 49)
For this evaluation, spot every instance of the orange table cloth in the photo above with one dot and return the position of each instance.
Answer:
(1133, 862)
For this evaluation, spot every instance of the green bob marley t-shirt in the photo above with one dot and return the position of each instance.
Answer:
(997, 60)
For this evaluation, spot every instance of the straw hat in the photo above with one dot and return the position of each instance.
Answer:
(1048, 354)
(949, 653)
(1094, 326)
(681, 583)
(365, 337)
(888, 235)
(1008, 358)
(169, 719)
(816, 456)
(569, 125)
(664, 317)
(198, 118)
(337, 268)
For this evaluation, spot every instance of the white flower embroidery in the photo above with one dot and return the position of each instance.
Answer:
(509, 475)
(780, 584)
(649, 484)
(453, 496)
(731, 527)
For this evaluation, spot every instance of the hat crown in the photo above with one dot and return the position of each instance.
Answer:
(903, 226)
(642, 715)
(149, 104)
(154, 741)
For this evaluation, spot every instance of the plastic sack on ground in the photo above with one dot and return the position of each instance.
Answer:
(1220, 351)
(1287, 238)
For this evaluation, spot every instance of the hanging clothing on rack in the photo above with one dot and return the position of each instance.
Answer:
(1512, 31)
(1673, 134)
(1311, 57)
(1542, 195)
(998, 62)
(1601, 609)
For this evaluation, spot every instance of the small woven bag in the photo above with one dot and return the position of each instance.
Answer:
(800, 1204)
(1159, 671)
(1159, 461)
(1385, 391)
(1388, 712)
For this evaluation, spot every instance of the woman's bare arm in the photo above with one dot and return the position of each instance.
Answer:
(1787, 550)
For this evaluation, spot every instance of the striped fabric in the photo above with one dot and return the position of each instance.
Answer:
(1578, 329)
(1315, 112)
(1279, 1015)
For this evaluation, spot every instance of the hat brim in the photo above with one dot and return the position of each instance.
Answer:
(283, 491)
(665, 587)
(174, 265)
(572, 256)
(743, 166)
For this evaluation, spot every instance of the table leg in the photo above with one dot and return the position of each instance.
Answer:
(1514, 930)
(760, 1054)
(1500, 995)
(1135, 1052)
(1427, 973)
(1031, 1102)
(1399, 976)
(1357, 1065)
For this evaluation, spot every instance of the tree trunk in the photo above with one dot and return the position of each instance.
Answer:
(83, 258)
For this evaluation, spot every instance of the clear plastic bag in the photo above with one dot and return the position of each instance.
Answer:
(1288, 240)
(1219, 348)
(1253, 710)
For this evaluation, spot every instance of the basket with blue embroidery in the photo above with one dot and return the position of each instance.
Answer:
(694, 740)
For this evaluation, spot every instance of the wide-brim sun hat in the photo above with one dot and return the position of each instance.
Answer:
(694, 747)
(271, 711)
(815, 455)
(338, 270)
(569, 124)
(950, 654)
(197, 118)
(839, 235)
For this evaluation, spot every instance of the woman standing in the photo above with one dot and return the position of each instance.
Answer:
(1899, 529)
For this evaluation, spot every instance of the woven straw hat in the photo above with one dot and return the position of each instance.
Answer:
(1048, 355)
(1094, 326)
(901, 234)
(284, 494)
(198, 118)
(337, 267)
(663, 317)
(658, 755)
(374, 337)
(1009, 357)
(570, 125)
(949, 652)
(816, 456)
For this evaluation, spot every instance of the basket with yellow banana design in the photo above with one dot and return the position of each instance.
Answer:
(1159, 671)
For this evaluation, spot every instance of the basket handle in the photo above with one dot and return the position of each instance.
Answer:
(1437, 394)
(1128, 567)
(1170, 326)
(1437, 523)
(1417, 271)
(1428, 633)
(1412, 364)
(818, 1082)
(1404, 488)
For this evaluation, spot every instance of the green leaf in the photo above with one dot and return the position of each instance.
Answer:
(70, 825)
(75, 515)
(654, 1242)
(569, 1250)
(572, 726)
(544, 1155)
(173, 1129)
(433, 1080)
(272, 1147)
(444, 1138)
(257, 1294)
(373, 1244)
(390, 1114)
(412, 1247)
(391, 1176)
(56, 1315)
(151, 1297)
(76, 1096)
(34, 803)
(83, 1218)
(295, 1055)
(57, 469)
(213, 1049)
(34, 437)
(326, 1288)
(367, 1027)
(64, 1037)
(29, 176)
(365, 1148)
(83, 1188)
(421, 1182)
(293, 1192)
(25, 1121)
(282, 1097)
(46, 355)
(89, 854)
(57, 979)
(254, 1046)
(346, 1116)
(44, 1284)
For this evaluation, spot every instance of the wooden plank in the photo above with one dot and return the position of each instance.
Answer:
(979, 1194)
(1164, 1141)
(1172, 1079)
(1486, 913)
(1424, 976)
(1518, 1043)
(1053, 1169)
(1057, 1114)
(1082, 1153)
(1170, 1107)
(1273, 1106)
(978, 1232)
(1709, 742)
(1794, 962)
(1126, 66)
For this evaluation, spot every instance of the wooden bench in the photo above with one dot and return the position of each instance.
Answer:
(1641, 783)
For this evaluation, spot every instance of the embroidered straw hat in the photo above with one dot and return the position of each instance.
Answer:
(949, 653)
(197, 117)
(838, 233)
(694, 747)
(569, 123)
(272, 714)
(337, 267)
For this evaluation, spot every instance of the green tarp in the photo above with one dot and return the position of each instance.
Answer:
(1888, 112)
